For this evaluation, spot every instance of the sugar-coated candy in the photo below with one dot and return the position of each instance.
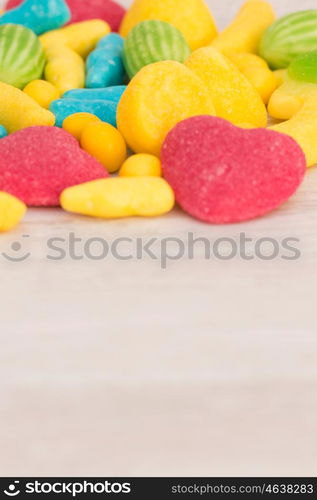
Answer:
(153, 41)
(75, 124)
(245, 31)
(12, 210)
(223, 174)
(105, 110)
(104, 66)
(144, 120)
(42, 92)
(21, 55)
(141, 165)
(105, 143)
(65, 69)
(18, 110)
(192, 17)
(256, 70)
(289, 37)
(300, 83)
(3, 132)
(107, 94)
(234, 97)
(120, 197)
(38, 163)
(38, 15)
(303, 128)
(82, 10)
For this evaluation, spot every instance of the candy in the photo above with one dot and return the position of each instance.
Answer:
(224, 174)
(120, 197)
(75, 124)
(107, 94)
(38, 15)
(12, 211)
(153, 41)
(300, 83)
(235, 99)
(141, 165)
(18, 110)
(42, 92)
(256, 70)
(303, 128)
(105, 143)
(80, 37)
(105, 110)
(3, 132)
(289, 37)
(82, 10)
(21, 55)
(65, 69)
(245, 32)
(104, 65)
(38, 163)
(158, 97)
(191, 17)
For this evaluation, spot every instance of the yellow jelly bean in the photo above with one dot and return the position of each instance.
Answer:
(245, 31)
(288, 99)
(257, 71)
(42, 92)
(18, 110)
(303, 128)
(158, 97)
(120, 197)
(280, 75)
(75, 124)
(234, 97)
(65, 69)
(81, 37)
(105, 143)
(141, 165)
(191, 17)
(12, 210)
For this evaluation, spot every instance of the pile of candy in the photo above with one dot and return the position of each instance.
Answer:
(161, 100)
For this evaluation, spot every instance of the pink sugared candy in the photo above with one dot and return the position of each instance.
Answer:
(82, 10)
(221, 173)
(38, 163)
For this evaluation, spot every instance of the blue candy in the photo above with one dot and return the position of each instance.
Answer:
(104, 65)
(38, 15)
(3, 132)
(105, 110)
(107, 94)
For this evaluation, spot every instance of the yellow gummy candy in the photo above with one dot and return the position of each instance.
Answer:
(18, 110)
(141, 165)
(65, 49)
(234, 97)
(12, 210)
(81, 37)
(75, 124)
(245, 31)
(120, 197)
(192, 17)
(303, 128)
(42, 92)
(158, 97)
(288, 99)
(257, 71)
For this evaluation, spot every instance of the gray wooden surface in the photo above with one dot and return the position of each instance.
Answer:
(123, 368)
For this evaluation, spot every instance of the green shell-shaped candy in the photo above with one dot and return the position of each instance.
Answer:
(153, 41)
(304, 68)
(21, 55)
(289, 37)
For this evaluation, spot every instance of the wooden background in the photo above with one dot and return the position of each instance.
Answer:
(122, 368)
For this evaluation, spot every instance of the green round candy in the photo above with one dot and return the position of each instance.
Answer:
(304, 68)
(153, 41)
(289, 37)
(21, 55)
